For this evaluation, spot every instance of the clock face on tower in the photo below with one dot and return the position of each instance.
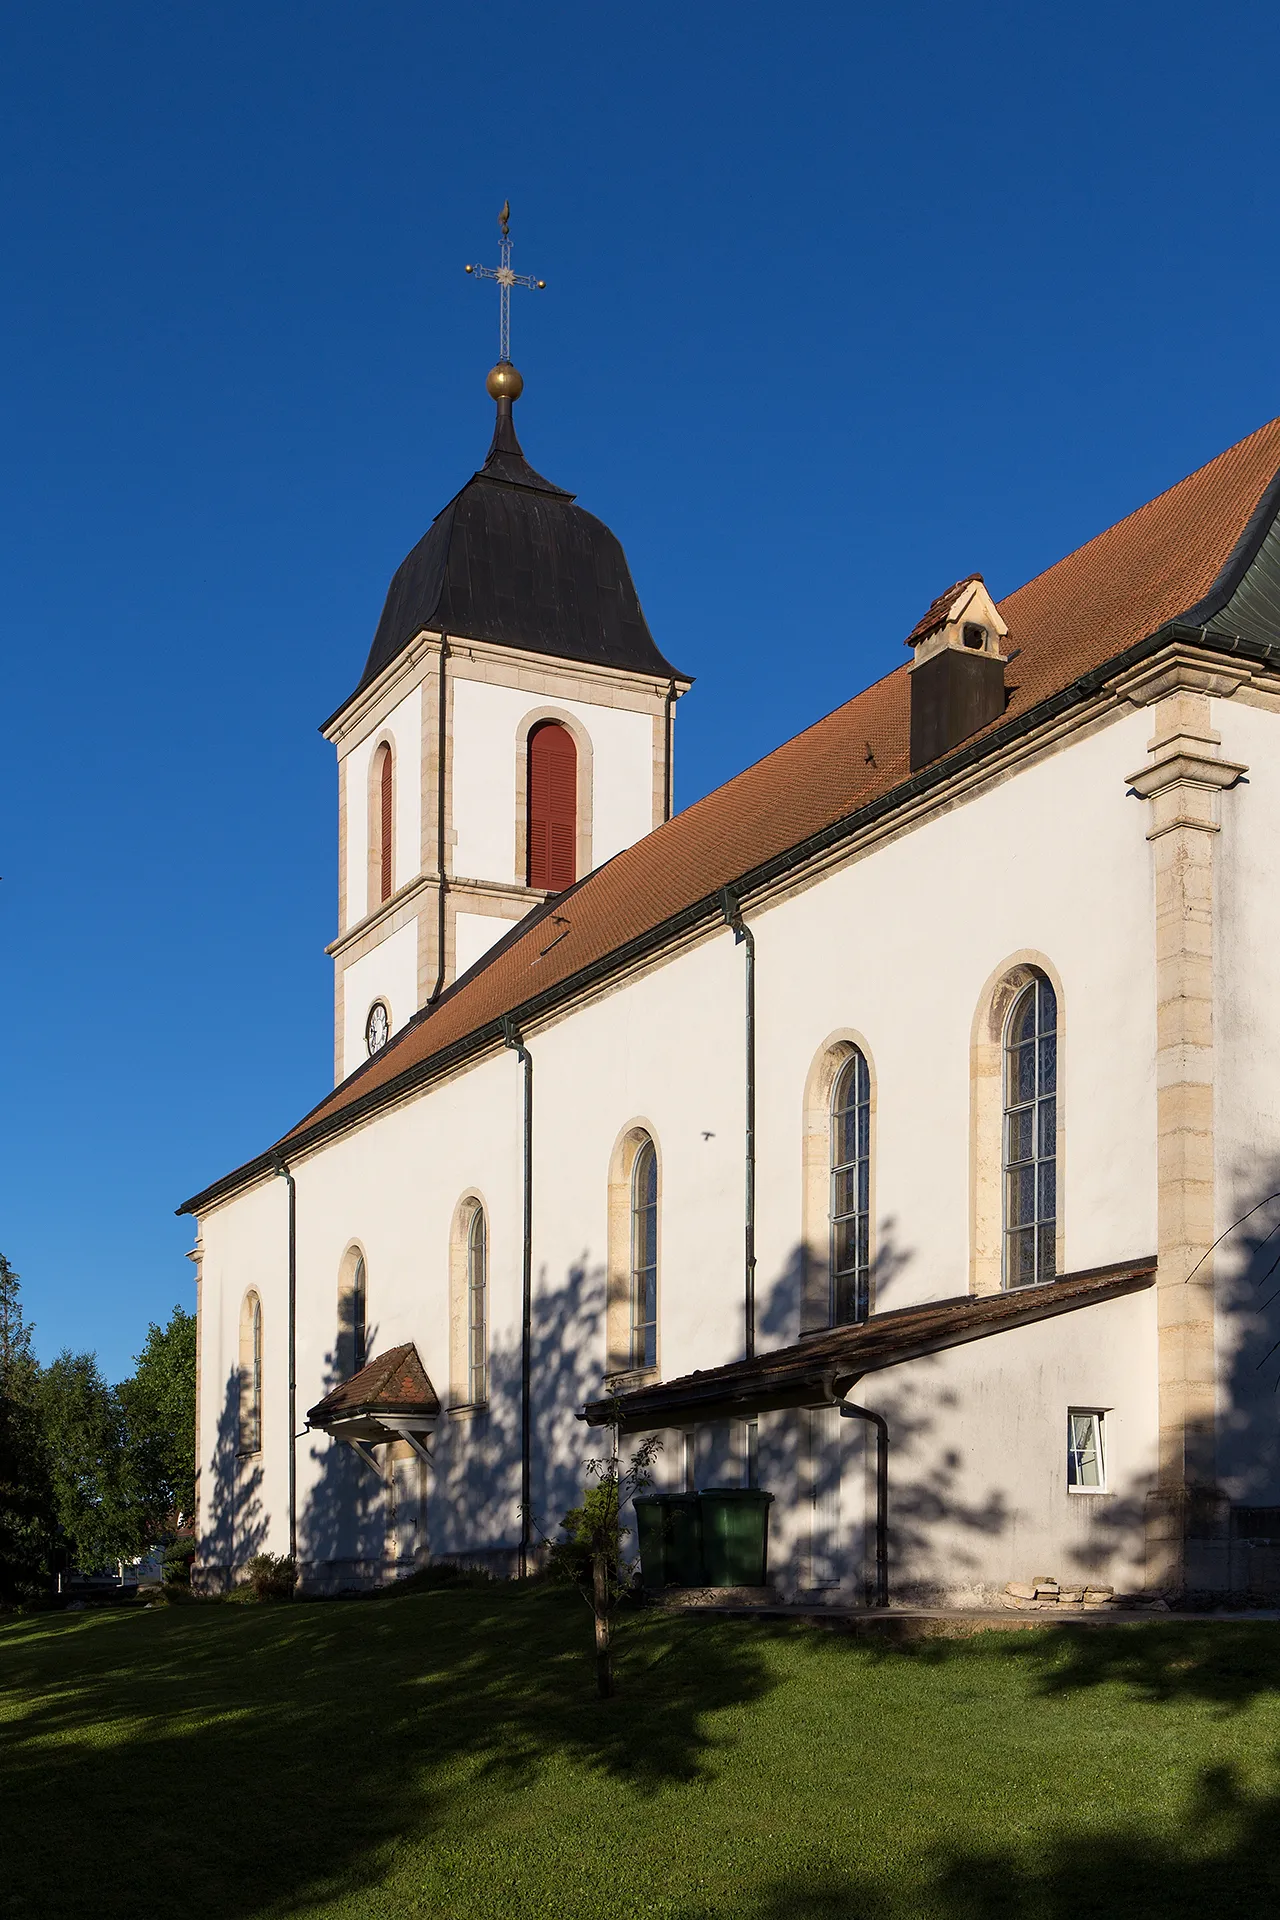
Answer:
(377, 1028)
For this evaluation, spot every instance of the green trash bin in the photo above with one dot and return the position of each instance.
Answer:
(653, 1530)
(684, 1541)
(735, 1536)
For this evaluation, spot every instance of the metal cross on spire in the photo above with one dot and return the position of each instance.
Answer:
(506, 279)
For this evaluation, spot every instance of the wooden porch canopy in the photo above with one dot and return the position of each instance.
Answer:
(390, 1398)
(819, 1369)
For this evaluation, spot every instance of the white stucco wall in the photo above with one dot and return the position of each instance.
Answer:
(389, 973)
(897, 946)
(474, 934)
(403, 727)
(486, 721)
(1247, 1104)
(243, 1505)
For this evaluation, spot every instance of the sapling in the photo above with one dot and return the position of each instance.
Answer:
(591, 1552)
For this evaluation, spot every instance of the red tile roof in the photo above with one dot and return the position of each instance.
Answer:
(933, 618)
(1149, 569)
(392, 1382)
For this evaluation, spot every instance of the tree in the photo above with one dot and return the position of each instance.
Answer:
(100, 1511)
(591, 1551)
(26, 1492)
(159, 1405)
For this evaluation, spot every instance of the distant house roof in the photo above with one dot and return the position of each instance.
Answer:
(815, 1370)
(1205, 552)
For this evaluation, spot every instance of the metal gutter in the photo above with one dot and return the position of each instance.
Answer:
(512, 1038)
(282, 1169)
(742, 935)
(707, 910)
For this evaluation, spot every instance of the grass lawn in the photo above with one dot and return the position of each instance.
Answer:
(444, 1754)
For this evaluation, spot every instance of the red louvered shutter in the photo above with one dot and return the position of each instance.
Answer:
(553, 808)
(385, 822)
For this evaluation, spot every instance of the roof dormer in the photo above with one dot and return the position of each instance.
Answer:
(957, 675)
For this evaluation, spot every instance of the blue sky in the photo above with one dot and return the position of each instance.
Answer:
(843, 303)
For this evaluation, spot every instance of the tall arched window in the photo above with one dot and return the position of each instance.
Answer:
(383, 822)
(851, 1191)
(644, 1257)
(359, 1315)
(249, 1437)
(353, 1314)
(1031, 1136)
(478, 1309)
(553, 807)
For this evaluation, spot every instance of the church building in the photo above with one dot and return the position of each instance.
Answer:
(896, 1130)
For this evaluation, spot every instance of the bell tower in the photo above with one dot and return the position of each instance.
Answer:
(512, 729)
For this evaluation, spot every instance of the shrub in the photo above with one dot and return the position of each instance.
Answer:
(271, 1576)
(176, 1565)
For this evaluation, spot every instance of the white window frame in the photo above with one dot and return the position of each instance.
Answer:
(1098, 1415)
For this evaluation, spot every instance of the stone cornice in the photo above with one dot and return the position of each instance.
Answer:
(401, 673)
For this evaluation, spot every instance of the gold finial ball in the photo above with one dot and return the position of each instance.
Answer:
(503, 382)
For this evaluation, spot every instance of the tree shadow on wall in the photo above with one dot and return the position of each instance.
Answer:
(1247, 1279)
(343, 1503)
(237, 1524)
(940, 1515)
(472, 1504)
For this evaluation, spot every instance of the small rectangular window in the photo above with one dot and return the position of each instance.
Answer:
(1086, 1453)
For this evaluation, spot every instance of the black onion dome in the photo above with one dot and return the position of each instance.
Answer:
(511, 559)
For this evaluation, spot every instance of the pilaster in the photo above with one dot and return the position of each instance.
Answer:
(1183, 781)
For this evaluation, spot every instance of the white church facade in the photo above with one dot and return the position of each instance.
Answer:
(896, 1130)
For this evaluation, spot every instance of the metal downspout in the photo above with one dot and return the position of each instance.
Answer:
(441, 742)
(284, 1173)
(512, 1039)
(850, 1411)
(667, 793)
(743, 935)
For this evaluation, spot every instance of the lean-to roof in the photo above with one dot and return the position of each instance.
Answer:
(1191, 555)
(821, 1367)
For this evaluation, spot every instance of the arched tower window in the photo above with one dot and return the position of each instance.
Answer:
(553, 807)
(851, 1191)
(1031, 1136)
(249, 1437)
(477, 1309)
(644, 1257)
(383, 822)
